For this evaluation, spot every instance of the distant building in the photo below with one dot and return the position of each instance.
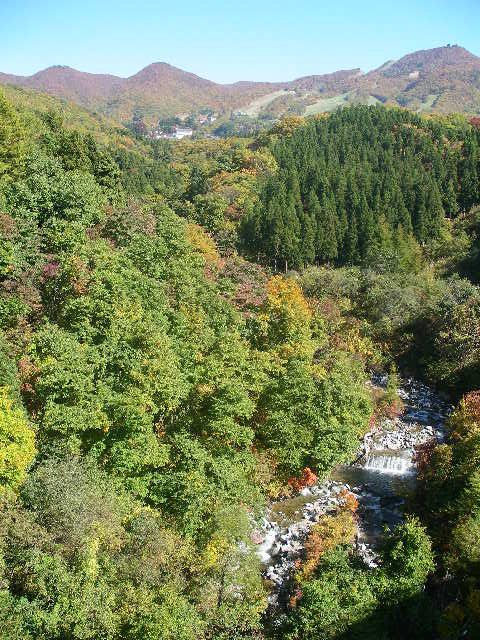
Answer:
(182, 132)
(176, 133)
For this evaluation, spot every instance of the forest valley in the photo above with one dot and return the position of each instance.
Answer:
(185, 327)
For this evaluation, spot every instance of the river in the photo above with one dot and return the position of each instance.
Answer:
(381, 478)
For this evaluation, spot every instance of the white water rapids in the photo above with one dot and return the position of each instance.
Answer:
(386, 463)
(381, 477)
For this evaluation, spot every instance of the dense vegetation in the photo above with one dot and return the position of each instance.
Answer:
(154, 398)
(450, 504)
(350, 185)
(156, 388)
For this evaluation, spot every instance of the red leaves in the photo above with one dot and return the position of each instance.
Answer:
(423, 455)
(472, 403)
(50, 270)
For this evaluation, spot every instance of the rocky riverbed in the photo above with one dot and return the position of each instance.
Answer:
(380, 478)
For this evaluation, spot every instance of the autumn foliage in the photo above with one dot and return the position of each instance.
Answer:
(466, 418)
(307, 479)
(350, 502)
(331, 531)
(423, 455)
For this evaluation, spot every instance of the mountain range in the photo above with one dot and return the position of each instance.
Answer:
(444, 79)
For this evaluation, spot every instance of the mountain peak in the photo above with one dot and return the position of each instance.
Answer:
(430, 60)
(165, 72)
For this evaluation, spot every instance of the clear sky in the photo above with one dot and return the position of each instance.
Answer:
(228, 40)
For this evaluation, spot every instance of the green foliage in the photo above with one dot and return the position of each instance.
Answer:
(363, 186)
(338, 598)
(170, 383)
(346, 600)
(407, 559)
(449, 499)
(84, 561)
(13, 142)
(426, 322)
(315, 418)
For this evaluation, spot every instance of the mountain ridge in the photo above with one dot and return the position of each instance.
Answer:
(447, 77)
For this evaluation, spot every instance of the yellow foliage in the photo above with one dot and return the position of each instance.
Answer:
(286, 294)
(287, 125)
(358, 344)
(327, 534)
(90, 557)
(286, 317)
(17, 443)
(214, 551)
(205, 389)
(203, 244)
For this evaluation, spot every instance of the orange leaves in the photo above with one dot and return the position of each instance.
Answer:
(307, 479)
(350, 502)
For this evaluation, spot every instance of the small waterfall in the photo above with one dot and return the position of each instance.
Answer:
(387, 463)
(380, 477)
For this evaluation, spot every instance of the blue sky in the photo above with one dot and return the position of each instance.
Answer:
(230, 40)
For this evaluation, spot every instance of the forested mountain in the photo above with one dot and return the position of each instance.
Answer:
(445, 79)
(352, 185)
(162, 378)
(158, 89)
(39, 108)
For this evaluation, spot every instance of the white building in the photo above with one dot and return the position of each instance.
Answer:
(182, 132)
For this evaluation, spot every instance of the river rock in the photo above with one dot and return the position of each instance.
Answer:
(388, 449)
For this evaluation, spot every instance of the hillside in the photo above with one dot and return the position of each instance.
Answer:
(34, 105)
(163, 398)
(161, 89)
(444, 79)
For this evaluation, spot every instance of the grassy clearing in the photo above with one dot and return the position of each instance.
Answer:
(254, 108)
(326, 104)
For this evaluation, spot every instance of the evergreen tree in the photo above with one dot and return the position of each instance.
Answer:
(360, 164)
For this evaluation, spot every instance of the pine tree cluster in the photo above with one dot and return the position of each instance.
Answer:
(351, 185)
